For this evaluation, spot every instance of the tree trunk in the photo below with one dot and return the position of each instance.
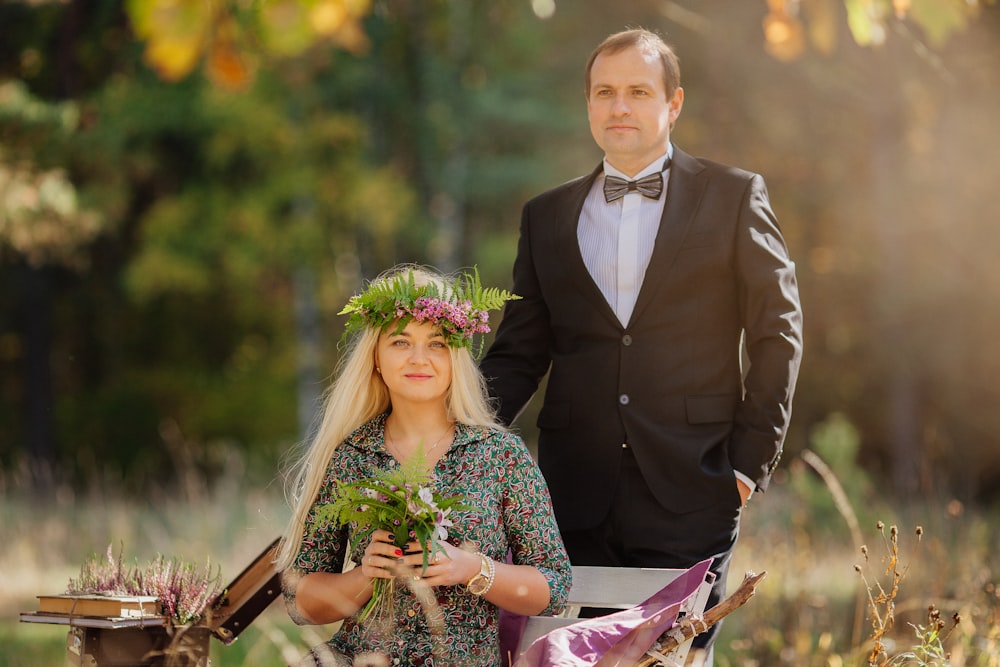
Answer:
(307, 330)
(38, 398)
(892, 214)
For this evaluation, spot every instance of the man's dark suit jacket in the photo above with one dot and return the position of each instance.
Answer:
(670, 384)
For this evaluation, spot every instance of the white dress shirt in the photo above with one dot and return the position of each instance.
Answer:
(616, 239)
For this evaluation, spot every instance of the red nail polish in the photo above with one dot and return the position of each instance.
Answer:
(399, 552)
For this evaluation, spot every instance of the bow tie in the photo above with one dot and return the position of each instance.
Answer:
(649, 186)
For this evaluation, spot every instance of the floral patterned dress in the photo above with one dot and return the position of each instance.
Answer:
(495, 473)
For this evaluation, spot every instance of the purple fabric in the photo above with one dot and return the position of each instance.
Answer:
(618, 639)
(511, 628)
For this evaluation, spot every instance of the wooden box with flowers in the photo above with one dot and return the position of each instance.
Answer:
(160, 615)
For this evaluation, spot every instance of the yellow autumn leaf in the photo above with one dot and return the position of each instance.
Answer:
(227, 67)
(341, 21)
(175, 32)
(284, 27)
(173, 59)
(865, 20)
(327, 17)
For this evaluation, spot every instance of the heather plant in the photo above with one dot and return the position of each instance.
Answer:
(182, 590)
(107, 576)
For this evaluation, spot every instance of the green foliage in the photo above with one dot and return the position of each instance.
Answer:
(836, 443)
(41, 217)
(30, 645)
(929, 650)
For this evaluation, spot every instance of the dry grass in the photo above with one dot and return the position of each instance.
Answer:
(843, 590)
(813, 609)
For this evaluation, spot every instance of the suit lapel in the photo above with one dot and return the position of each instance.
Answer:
(566, 228)
(684, 193)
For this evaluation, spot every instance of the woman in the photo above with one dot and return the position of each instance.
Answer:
(409, 387)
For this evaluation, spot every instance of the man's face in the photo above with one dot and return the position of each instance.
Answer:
(630, 115)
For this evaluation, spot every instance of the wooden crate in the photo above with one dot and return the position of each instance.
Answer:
(138, 646)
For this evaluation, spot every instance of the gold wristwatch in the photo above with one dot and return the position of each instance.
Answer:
(483, 580)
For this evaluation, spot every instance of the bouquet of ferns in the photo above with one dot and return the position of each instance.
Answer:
(401, 501)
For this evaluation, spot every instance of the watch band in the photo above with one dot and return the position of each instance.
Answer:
(481, 583)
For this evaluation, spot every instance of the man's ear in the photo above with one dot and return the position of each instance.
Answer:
(676, 104)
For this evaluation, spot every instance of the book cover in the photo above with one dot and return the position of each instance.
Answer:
(125, 606)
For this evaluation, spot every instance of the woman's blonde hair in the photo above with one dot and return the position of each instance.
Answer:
(358, 395)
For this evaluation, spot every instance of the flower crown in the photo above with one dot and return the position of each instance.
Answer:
(459, 307)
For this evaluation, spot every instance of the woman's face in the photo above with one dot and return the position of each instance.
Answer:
(415, 363)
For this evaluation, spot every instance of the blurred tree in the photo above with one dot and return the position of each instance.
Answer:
(791, 25)
(205, 198)
(45, 222)
(235, 222)
(222, 216)
(41, 218)
(913, 104)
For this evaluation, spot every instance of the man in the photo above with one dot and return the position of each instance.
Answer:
(637, 302)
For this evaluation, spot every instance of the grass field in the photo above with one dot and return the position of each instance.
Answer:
(814, 608)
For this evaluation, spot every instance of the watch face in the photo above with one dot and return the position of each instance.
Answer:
(478, 584)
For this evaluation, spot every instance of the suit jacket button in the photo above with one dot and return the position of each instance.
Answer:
(624, 445)
(626, 340)
(623, 399)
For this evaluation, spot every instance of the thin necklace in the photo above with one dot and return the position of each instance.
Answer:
(395, 450)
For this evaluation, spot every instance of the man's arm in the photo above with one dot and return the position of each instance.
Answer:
(772, 320)
(521, 352)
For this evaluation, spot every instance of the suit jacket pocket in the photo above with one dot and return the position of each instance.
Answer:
(554, 415)
(711, 409)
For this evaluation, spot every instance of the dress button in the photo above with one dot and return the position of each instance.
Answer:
(626, 340)
(623, 399)
(411, 613)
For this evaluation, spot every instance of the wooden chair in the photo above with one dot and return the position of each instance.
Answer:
(617, 588)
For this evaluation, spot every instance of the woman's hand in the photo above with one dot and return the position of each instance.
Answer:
(447, 566)
(518, 588)
(382, 556)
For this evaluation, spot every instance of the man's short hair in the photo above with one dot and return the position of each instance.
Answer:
(647, 42)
